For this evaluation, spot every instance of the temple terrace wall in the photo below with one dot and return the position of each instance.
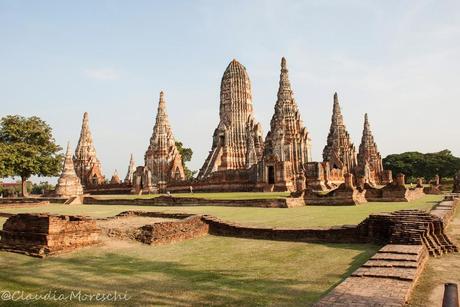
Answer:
(191, 201)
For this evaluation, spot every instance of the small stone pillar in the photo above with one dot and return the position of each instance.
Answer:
(400, 179)
(300, 182)
(387, 176)
(348, 180)
(456, 183)
(360, 182)
(436, 180)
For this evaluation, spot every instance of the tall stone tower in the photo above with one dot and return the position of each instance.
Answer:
(339, 151)
(163, 162)
(86, 163)
(68, 184)
(369, 160)
(131, 170)
(288, 143)
(237, 140)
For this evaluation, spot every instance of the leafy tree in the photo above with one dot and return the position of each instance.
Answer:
(186, 154)
(415, 164)
(42, 187)
(27, 148)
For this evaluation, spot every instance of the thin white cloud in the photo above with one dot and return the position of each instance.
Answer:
(102, 74)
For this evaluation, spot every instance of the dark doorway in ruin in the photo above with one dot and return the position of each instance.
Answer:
(271, 175)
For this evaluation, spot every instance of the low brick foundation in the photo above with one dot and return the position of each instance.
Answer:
(32, 200)
(41, 234)
(169, 232)
(187, 226)
(337, 234)
(191, 201)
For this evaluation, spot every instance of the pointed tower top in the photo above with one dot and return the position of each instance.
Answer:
(68, 167)
(68, 183)
(131, 170)
(336, 98)
(69, 150)
(336, 112)
(161, 104)
(283, 63)
(367, 126)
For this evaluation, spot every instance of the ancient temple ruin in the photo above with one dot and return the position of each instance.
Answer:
(131, 170)
(163, 162)
(237, 141)
(68, 184)
(115, 178)
(339, 151)
(287, 144)
(369, 160)
(86, 163)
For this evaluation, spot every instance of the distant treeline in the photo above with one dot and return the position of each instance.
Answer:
(427, 165)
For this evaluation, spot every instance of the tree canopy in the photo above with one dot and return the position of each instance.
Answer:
(427, 165)
(186, 154)
(27, 148)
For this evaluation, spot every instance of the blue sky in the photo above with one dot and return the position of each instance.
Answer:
(397, 60)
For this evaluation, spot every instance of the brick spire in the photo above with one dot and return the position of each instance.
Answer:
(131, 170)
(87, 164)
(287, 132)
(162, 157)
(368, 154)
(339, 150)
(237, 140)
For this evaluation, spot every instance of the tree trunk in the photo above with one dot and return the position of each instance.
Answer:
(24, 187)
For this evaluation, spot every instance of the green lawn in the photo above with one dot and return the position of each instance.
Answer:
(228, 195)
(308, 216)
(206, 271)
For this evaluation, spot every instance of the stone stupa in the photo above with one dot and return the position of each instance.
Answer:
(69, 184)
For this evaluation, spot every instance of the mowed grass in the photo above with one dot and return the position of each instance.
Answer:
(210, 270)
(308, 216)
(226, 195)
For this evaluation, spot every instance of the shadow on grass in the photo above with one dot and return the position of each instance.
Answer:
(165, 283)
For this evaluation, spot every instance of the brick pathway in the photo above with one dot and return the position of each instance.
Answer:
(386, 279)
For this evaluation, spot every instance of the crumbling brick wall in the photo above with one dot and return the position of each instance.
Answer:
(169, 232)
(41, 234)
